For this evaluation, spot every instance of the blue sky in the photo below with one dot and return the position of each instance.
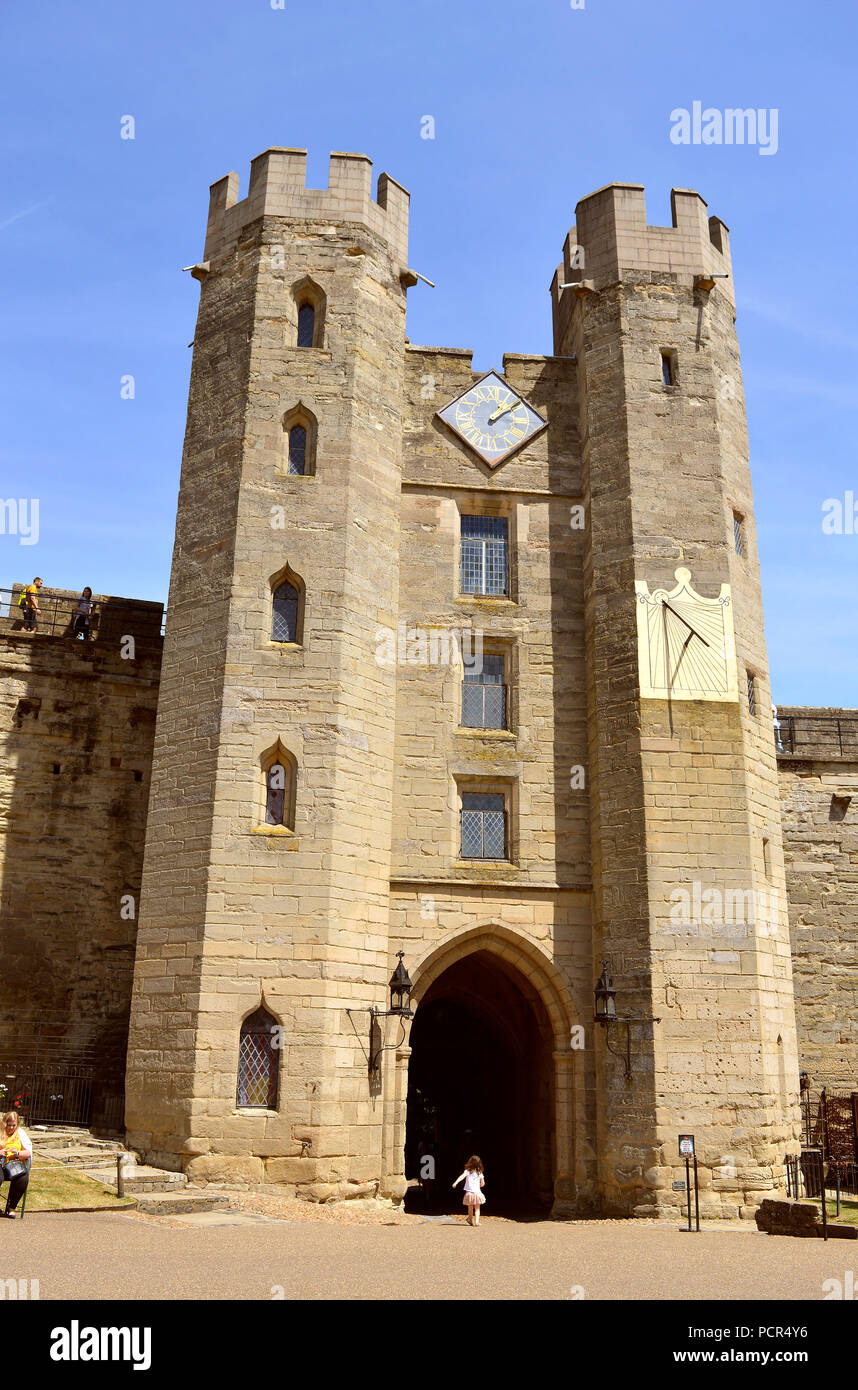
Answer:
(535, 105)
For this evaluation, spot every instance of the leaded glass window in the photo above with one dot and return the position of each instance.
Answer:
(275, 800)
(297, 449)
(484, 695)
(306, 325)
(284, 621)
(485, 562)
(258, 1060)
(738, 534)
(483, 826)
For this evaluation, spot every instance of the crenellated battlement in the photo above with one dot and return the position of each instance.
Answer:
(278, 179)
(611, 238)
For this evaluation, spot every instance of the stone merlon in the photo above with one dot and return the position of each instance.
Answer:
(278, 189)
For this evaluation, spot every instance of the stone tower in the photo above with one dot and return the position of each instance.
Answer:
(239, 914)
(683, 791)
(326, 506)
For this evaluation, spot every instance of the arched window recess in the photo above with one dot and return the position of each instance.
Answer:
(259, 1047)
(287, 607)
(309, 304)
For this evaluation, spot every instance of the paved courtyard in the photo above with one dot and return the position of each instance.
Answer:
(233, 1255)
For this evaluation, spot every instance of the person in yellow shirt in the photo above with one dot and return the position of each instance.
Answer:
(16, 1157)
(30, 605)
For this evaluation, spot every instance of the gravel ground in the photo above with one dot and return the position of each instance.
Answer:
(107, 1256)
(361, 1212)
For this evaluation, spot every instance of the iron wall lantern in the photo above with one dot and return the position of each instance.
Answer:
(605, 996)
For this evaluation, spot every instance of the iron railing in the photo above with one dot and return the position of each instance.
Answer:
(62, 1091)
(805, 1173)
(827, 1166)
(55, 616)
(49, 1094)
(817, 736)
(56, 613)
(50, 1077)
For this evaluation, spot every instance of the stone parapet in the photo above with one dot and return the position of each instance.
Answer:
(278, 189)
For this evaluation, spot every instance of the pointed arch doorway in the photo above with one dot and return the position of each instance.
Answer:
(481, 1079)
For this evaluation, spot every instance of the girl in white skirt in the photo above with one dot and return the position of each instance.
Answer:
(474, 1180)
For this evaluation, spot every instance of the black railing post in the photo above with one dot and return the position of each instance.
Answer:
(822, 1152)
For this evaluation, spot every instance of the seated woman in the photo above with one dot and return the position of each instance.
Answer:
(16, 1157)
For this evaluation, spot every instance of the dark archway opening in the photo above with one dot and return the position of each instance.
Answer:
(480, 1080)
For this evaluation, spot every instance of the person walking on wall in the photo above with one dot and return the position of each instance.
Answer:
(29, 602)
(83, 615)
(474, 1180)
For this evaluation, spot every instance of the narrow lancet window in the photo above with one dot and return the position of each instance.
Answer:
(284, 619)
(306, 325)
(258, 1059)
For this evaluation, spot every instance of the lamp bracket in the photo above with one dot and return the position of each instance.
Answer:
(625, 1054)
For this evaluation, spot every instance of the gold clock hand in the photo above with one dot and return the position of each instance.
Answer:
(503, 410)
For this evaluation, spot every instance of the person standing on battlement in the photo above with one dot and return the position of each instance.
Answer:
(29, 601)
(82, 615)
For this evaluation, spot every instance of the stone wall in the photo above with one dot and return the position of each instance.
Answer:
(76, 727)
(818, 774)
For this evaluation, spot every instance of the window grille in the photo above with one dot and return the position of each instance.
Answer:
(485, 558)
(284, 620)
(483, 826)
(258, 1062)
(306, 325)
(297, 449)
(484, 696)
(738, 534)
(275, 800)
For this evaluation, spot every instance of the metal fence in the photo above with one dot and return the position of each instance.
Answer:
(817, 736)
(63, 1093)
(52, 1076)
(830, 1124)
(55, 616)
(826, 1170)
(59, 1094)
(805, 1172)
(56, 613)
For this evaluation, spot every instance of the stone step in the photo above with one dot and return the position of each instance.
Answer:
(78, 1157)
(145, 1179)
(180, 1203)
(73, 1139)
(140, 1179)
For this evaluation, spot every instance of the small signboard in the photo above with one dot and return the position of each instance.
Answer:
(686, 1145)
(678, 1186)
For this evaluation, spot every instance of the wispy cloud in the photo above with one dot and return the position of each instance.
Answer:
(788, 384)
(25, 212)
(806, 326)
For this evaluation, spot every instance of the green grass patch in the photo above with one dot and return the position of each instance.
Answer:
(848, 1212)
(57, 1186)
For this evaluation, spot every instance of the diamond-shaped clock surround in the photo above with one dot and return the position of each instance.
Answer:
(467, 418)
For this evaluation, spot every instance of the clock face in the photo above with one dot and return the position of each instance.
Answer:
(686, 647)
(492, 418)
